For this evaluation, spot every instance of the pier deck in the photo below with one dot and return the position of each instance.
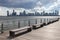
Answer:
(49, 32)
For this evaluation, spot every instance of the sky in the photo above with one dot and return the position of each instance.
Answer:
(28, 5)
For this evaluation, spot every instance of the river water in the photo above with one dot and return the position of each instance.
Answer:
(12, 21)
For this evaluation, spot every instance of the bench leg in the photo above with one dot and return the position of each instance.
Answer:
(12, 34)
(34, 27)
(44, 24)
(29, 29)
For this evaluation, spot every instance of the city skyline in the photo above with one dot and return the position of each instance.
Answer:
(54, 13)
(29, 5)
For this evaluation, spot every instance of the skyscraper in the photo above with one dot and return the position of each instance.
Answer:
(24, 13)
(14, 13)
(56, 12)
(7, 13)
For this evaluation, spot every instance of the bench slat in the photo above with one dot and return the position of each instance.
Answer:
(19, 29)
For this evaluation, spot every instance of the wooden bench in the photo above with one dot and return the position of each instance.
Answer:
(57, 19)
(20, 31)
(35, 26)
(48, 22)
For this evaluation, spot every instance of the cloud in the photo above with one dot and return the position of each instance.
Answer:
(49, 7)
(54, 5)
(28, 5)
(18, 3)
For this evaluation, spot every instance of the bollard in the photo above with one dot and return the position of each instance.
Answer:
(18, 24)
(35, 21)
(28, 22)
(2, 28)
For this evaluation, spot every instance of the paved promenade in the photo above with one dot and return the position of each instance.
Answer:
(49, 32)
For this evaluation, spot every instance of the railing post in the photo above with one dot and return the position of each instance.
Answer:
(35, 21)
(18, 24)
(44, 20)
(28, 22)
(24, 22)
(41, 20)
(2, 28)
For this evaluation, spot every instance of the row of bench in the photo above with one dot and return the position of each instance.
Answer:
(14, 32)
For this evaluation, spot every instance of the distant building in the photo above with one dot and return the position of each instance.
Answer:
(21, 14)
(14, 13)
(46, 14)
(56, 12)
(43, 13)
(37, 14)
(30, 14)
(24, 13)
(7, 13)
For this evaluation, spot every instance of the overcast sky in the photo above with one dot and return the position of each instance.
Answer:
(32, 5)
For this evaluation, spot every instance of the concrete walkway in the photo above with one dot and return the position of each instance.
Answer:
(49, 32)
